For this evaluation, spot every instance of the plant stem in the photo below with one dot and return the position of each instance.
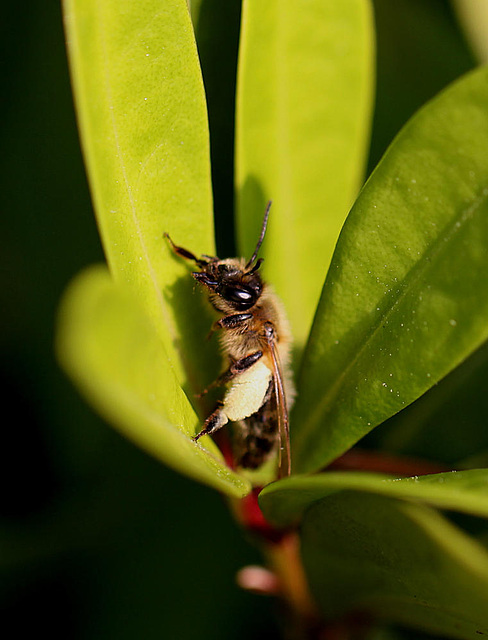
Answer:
(285, 560)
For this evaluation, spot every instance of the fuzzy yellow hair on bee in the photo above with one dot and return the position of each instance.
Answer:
(256, 340)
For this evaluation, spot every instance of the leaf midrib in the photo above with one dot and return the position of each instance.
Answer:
(132, 205)
(414, 275)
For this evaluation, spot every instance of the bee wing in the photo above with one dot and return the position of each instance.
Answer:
(282, 409)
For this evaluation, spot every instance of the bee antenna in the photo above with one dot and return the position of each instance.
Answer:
(261, 237)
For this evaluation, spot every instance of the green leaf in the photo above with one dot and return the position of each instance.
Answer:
(429, 428)
(284, 502)
(304, 97)
(398, 561)
(404, 301)
(113, 352)
(473, 16)
(194, 6)
(143, 123)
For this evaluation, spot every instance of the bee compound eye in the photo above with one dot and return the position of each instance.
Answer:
(239, 295)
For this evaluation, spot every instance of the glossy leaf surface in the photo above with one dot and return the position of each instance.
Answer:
(111, 349)
(304, 94)
(399, 561)
(405, 299)
(431, 426)
(284, 502)
(143, 123)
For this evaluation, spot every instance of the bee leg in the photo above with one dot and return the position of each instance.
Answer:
(229, 322)
(239, 366)
(213, 423)
(212, 385)
(236, 367)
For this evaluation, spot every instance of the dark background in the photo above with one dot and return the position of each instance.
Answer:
(98, 540)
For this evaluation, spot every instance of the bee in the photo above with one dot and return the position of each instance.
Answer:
(255, 339)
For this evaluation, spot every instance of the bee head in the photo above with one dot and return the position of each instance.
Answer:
(231, 286)
(233, 283)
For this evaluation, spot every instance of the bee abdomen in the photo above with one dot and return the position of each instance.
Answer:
(258, 451)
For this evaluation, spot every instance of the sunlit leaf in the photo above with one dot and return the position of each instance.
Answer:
(143, 123)
(113, 352)
(431, 426)
(405, 298)
(466, 491)
(303, 112)
(473, 17)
